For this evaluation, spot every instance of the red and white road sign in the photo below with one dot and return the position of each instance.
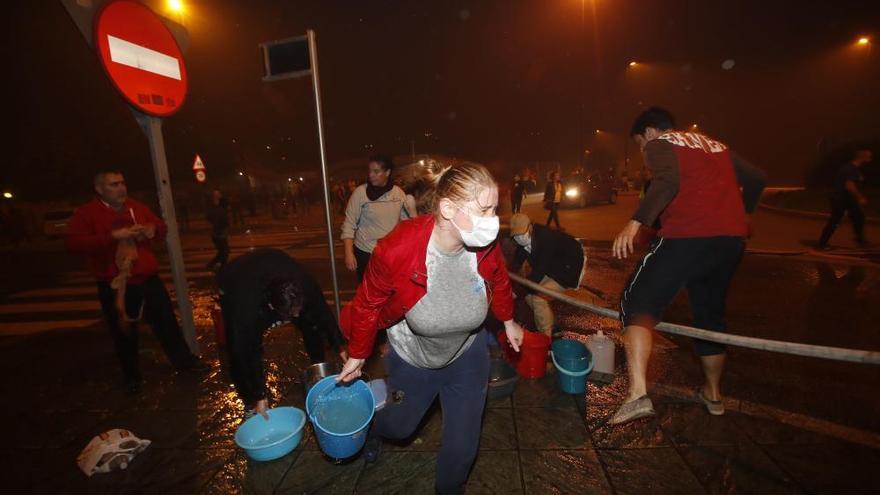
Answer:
(141, 57)
(199, 169)
(198, 164)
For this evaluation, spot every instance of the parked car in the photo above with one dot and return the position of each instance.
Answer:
(582, 190)
(56, 223)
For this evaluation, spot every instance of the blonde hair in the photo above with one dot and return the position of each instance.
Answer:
(461, 183)
(429, 181)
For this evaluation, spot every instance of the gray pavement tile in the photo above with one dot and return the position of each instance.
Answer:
(43, 471)
(313, 473)
(691, 424)
(542, 428)
(740, 468)
(506, 402)
(832, 467)
(427, 436)
(45, 430)
(495, 473)
(166, 429)
(607, 394)
(309, 441)
(158, 470)
(541, 392)
(639, 471)
(768, 431)
(638, 434)
(243, 475)
(563, 471)
(215, 431)
(399, 473)
(499, 430)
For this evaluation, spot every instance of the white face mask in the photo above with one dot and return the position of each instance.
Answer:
(483, 232)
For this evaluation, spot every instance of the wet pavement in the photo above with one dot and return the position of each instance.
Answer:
(794, 425)
(539, 441)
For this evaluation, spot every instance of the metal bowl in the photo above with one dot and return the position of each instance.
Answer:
(502, 379)
(318, 371)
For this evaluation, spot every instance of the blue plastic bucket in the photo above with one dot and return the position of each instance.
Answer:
(340, 415)
(267, 439)
(574, 362)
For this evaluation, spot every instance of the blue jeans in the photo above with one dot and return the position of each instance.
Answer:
(462, 388)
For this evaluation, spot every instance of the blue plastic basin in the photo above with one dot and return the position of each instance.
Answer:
(265, 440)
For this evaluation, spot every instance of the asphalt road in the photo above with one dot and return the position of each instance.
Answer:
(799, 297)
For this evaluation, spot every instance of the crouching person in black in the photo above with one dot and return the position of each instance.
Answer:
(261, 290)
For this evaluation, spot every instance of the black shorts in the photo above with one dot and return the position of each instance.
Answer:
(702, 265)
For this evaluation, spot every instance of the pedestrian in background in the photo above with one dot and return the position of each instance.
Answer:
(373, 210)
(847, 198)
(235, 209)
(703, 193)
(182, 206)
(517, 190)
(117, 233)
(556, 261)
(430, 280)
(218, 217)
(553, 197)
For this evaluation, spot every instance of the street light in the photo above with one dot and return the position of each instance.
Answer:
(633, 63)
(864, 40)
(175, 6)
(7, 195)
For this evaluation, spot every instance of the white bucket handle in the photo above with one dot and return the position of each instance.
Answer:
(571, 373)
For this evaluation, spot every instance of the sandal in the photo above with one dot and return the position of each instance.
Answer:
(632, 410)
(715, 407)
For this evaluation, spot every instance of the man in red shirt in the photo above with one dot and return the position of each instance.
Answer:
(702, 193)
(116, 233)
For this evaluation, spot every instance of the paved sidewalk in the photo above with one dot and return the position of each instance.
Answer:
(539, 441)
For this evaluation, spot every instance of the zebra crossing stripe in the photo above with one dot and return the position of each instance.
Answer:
(31, 327)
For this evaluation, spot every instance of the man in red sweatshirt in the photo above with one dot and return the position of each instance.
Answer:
(702, 193)
(116, 234)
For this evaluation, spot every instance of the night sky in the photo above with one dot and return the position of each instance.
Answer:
(503, 82)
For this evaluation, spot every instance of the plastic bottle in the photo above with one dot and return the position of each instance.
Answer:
(602, 349)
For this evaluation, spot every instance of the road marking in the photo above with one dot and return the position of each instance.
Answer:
(84, 290)
(49, 307)
(31, 327)
(140, 57)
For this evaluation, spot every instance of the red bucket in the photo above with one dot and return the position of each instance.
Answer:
(219, 326)
(531, 361)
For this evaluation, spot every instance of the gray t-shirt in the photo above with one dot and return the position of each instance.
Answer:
(443, 324)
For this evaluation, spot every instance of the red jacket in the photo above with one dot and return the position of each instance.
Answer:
(396, 279)
(90, 234)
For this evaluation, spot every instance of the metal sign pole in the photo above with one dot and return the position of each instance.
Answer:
(313, 58)
(153, 128)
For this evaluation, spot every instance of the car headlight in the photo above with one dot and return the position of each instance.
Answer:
(572, 193)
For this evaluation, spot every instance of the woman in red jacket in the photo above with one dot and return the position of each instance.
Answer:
(430, 283)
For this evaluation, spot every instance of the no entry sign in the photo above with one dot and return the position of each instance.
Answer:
(141, 57)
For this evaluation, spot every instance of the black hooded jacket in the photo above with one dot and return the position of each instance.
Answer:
(244, 299)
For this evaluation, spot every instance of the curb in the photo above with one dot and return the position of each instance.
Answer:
(809, 214)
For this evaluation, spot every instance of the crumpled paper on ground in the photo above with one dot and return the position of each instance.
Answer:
(110, 451)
